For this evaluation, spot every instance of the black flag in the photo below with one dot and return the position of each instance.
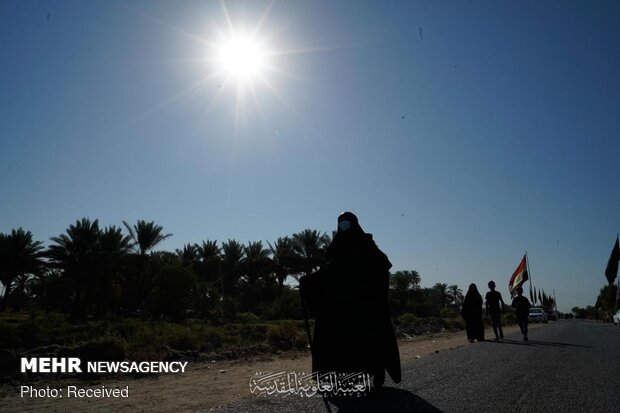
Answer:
(612, 265)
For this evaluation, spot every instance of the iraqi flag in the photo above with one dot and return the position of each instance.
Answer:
(518, 277)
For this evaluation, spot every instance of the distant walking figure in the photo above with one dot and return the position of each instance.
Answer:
(495, 308)
(472, 314)
(522, 305)
(349, 297)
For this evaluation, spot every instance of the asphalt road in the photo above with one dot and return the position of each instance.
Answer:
(567, 366)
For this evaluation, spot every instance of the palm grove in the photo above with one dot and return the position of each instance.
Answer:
(97, 272)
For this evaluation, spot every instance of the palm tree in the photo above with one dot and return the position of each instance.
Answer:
(209, 273)
(51, 290)
(310, 246)
(283, 258)
(256, 267)
(210, 261)
(145, 237)
(455, 295)
(256, 261)
(23, 283)
(76, 254)
(441, 293)
(402, 284)
(19, 255)
(20, 293)
(406, 280)
(113, 242)
(232, 260)
(114, 249)
(188, 255)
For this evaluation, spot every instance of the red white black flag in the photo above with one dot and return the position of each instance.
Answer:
(518, 277)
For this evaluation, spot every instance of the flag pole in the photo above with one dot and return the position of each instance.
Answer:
(529, 274)
(527, 264)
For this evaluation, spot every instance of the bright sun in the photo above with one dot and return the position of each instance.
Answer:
(242, 58)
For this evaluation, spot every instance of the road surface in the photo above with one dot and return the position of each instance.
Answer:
(567, 366)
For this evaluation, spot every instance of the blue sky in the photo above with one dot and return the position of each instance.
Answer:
(462, 134)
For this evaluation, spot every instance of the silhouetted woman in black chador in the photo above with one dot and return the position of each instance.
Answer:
(472, 314)
(349, 298)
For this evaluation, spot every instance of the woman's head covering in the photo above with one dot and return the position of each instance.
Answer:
(346, 221)
(349, 233)
(472, 288)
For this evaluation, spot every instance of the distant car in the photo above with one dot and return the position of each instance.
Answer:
(617, 317)
(552, 315)
(537, 315)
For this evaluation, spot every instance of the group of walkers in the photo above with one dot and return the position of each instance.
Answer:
(494, 306)
(348, 297)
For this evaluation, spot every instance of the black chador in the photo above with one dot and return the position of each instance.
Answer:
(349, 299)
(472, 314)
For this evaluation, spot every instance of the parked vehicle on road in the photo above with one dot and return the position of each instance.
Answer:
(551, 315)
(617, 317)
(537, 315)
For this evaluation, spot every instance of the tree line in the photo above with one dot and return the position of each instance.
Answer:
(97, 272)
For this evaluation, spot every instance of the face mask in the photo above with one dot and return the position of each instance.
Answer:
(344, 225)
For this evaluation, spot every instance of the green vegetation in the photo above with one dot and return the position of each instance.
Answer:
(108, 287)
(144, 339)
(604, 308)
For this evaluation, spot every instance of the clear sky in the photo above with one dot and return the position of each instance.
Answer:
(462, 134)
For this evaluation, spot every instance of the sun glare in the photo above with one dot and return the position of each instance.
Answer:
(243, 61)
(242, 58)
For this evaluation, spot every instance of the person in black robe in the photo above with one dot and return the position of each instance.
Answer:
(348, 296)
(472, 314)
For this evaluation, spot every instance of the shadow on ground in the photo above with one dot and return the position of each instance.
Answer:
(384, 400)
(536, 343)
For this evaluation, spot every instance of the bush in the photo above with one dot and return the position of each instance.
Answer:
(142, 339)
(407, 320)
(30, 334)
(226, 311)
(448, 313)
(182, 338)
(247, 318)
(286, 306)
(247, 334)
(213, 339)
(285, 335)
(437, 322)
(424, 310)
(172, 291)
(107, 348)
(456, 323)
